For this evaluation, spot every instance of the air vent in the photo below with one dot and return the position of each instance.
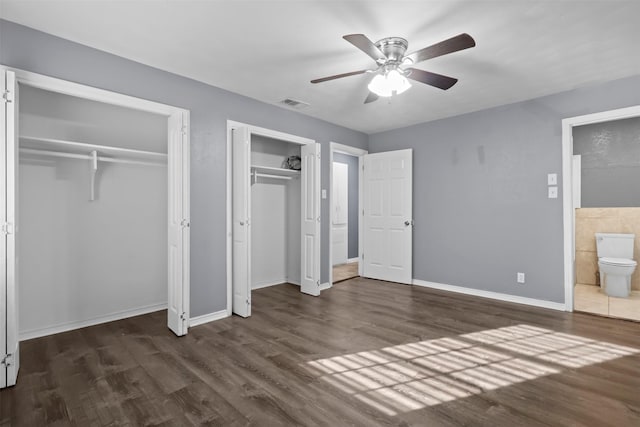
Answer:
(294, 103)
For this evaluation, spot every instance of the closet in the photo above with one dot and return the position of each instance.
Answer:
(95, 210)
(92, 211)
(275, 213)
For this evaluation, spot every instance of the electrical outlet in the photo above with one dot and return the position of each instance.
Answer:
(552, 179)
(520, 277)
(553, 192)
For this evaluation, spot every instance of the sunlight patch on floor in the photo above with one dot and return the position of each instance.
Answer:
(412, 376)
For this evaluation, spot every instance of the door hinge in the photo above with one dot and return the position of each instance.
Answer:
(183, 130)
(6, 360)
(185, 224)
(318, 155)
(7, 228)
(248, 302)
(7, 96)
(183, 316)
(363, 256)
(318, 283)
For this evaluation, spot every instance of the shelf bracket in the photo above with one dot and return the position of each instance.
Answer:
(94, 170)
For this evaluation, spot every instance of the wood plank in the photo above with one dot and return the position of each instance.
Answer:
(268, 369)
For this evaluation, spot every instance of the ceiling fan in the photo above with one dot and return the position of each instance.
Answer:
(394, 67)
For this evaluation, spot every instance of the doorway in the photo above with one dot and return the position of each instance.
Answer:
(345, 200)
(76, 160)
(599, 157)
(273, 207)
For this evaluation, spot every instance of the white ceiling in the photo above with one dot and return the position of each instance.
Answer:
(269, 50)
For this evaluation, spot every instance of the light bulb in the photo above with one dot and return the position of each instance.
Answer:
(380, 86)
(389, 83)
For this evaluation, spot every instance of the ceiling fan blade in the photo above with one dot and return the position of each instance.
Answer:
(371, 97)
(364, 44)
(339, 76)
(454, 44)
(432, 79)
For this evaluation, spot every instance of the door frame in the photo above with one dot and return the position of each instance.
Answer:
(335, 147)
(83, 91)
(568, 208)
(253, 130)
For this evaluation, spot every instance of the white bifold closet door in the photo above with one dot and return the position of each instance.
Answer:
(310, 245)
(178, 231)
(241, 209)
(388, 223)
(9, 342)
(241, 220)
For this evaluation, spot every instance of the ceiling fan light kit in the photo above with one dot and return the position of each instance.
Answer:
(390, 83)
(389, 54)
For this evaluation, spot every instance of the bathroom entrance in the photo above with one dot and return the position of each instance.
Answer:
(604, 158)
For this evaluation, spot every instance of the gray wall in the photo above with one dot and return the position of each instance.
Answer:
(210, 107)
(480, 190)
(352, 195)
(610, 163)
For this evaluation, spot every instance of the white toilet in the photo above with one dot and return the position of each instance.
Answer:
(616, 264)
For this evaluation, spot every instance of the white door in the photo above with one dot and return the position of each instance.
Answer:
(340, 214)
(9, 343)
(388, 223)
(241, 269)
(310, 245)
(178, 273)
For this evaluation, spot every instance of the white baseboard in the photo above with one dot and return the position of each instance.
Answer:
(69, 326)
(261, 285)
(492, 295)
(206, 318)
(325, 286)
(352, 260)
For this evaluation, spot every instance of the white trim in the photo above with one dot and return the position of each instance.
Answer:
(253, 130)
(491, 295)
(206, 318)
(352, 260)
(568, 211)
(110, 97)
(69, 326)
(325, 286)
(335, 147)
(269, 284)
(79, 90)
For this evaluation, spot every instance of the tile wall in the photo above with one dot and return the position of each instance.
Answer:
(603, 220)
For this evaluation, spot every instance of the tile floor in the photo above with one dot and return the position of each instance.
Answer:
(591, 299)
(345, 271)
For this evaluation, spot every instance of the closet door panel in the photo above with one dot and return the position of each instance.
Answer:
(310, 229)
(241, 208)
(177, 315)
(9, 343)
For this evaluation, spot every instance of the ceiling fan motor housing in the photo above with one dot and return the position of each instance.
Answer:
(394, 49)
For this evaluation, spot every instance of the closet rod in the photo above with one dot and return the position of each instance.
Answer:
(266, 175)
(88, 157)
(89, 147)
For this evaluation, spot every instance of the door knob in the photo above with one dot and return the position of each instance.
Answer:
(407, 223)
(241, 222)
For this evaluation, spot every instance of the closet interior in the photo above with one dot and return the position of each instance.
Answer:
(275, 213)
(92, 212)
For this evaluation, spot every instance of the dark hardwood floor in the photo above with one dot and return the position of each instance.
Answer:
(365, 353)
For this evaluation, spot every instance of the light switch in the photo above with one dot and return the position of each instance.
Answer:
(553, 192)
(552, 179)
(324, 193)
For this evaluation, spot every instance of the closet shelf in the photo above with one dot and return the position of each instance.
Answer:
(50, 145)
(281, 172)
